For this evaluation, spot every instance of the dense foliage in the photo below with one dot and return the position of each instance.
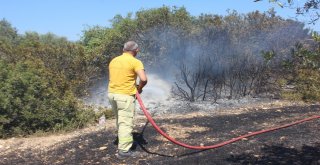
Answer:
(41, 75)
(208, 56)
(33, 99)
(303, 72)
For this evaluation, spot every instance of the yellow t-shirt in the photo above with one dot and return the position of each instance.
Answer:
(122, 74)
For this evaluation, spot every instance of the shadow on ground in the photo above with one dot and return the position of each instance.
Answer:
(277, 154)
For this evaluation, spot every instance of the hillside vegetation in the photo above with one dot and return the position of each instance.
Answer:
(208, 57)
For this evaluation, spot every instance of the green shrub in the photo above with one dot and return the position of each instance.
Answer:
(104, 111)
(33, 99)
(291, 95)
(308, 84)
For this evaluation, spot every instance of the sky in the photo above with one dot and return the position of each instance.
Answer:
(69, 18)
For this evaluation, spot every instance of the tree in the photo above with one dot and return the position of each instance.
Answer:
(187, 88)
(308, 8)
(102, 44)
(7, 32)
(8, 37)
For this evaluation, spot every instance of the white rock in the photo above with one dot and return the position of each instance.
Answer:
(103, 148)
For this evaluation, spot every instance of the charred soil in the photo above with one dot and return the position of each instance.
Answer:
(299, 144)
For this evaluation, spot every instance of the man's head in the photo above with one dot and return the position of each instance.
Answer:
(132, 47)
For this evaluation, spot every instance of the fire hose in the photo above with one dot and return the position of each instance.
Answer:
(158, 129)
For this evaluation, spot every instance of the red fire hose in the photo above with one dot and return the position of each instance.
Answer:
(147, 114)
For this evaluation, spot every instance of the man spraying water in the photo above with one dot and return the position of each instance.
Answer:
(123, 72)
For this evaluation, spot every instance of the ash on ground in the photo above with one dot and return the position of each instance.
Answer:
(175, 106)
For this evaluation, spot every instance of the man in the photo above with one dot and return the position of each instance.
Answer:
(123, 72)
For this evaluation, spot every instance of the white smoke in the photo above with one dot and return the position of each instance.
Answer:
(155, 92)
(98, 94)
(157, 89)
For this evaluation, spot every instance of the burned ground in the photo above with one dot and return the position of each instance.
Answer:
(299, 144)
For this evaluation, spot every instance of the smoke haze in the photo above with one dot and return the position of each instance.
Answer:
(157, 90)
(164, 49)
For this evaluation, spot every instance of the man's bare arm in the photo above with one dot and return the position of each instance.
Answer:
(143, 79)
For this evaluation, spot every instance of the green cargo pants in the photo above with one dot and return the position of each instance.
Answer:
(123, 107)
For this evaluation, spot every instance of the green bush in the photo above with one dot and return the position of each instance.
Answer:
(308, 84)
(33, 99)
(303, 72)
(104, 111)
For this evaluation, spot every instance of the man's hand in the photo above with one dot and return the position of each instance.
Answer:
(139, 89)
(143, 80)
(141, 85)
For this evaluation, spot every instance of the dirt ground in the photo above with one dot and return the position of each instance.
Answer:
(296, 145)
